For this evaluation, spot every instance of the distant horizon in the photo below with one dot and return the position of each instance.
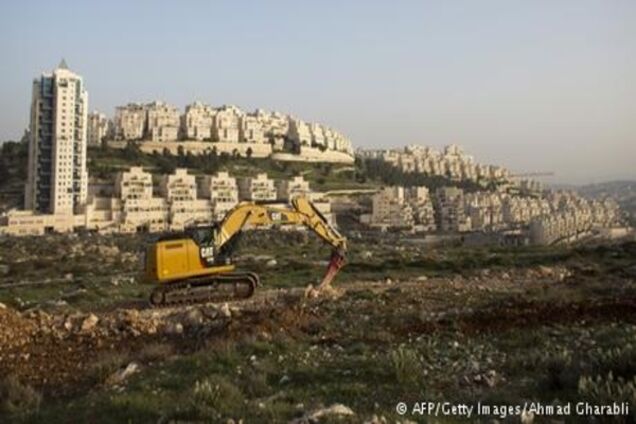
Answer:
(532, 86)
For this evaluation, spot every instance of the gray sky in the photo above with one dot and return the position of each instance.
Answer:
(533, 85)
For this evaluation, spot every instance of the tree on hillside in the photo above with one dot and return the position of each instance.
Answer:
(132, 151)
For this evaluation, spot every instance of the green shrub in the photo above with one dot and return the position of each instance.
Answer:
(106, 364)
(606, 390)
(255, 384)
(406, 365)
(557, 366)
(620, 361)
(215, 397)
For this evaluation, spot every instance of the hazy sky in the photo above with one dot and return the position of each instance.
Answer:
(533, 85)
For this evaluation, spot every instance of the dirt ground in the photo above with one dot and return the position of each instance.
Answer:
(54, 352)
(77, 354)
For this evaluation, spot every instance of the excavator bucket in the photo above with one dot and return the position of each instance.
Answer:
(336, 262)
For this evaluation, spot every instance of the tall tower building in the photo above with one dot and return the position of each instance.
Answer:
(57, 181)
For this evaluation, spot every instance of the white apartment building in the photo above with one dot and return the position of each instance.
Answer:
(140, 210)
(226, 124)
(178, 186)
(275, 124)
(403, 208)
(561, 226)
(221, 189)
(130, 122)
(318, 136)
(521, 210)
(163, 122)
(422, 205)
(390, 210)
(452, 162)
(98, 128)
(57, 180)
(184, 208)
(257, 189)
(450, 214)
(484, 210)
(297, 186)
(198, 121)
(299, 132)
(251, 130)
(159, 126)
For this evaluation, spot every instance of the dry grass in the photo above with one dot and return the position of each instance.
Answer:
(407, 366)
(17, 399)
(155, 351)
(107, 363)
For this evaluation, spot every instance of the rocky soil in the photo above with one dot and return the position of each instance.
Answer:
(486, 331)
(55, 350)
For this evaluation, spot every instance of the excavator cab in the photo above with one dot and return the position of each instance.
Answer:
(203, 236)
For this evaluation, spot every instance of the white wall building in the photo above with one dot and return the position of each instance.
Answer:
(297, 186)
(258, 189)
(422, 205)
(390, 210)
(251, 130)
(130, 122)
(226, 124)
(98, 128)
(221, 189)
(450, 214)
(140, 210)
(198, 121)
(184, 208)
(163, 122)
(57, 181)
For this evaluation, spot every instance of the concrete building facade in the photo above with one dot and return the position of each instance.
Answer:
(226, 124)
(390, 210)
(130, 122)
(421, 203)
(140, 209)
(222, 190)
(229, 130)
(184, 207)
(450, 215)
(251, 130)
(162, 122)
(297, 186)
(98, 128)
(198, 121)
(257, 189)
(57, 179)
(451, 162)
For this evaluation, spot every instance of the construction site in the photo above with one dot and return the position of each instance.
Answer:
(399, 323)
(212, 292)
(317, 213)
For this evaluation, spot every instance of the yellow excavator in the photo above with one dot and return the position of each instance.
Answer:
(196, 266)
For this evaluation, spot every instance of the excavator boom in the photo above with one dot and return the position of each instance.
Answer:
(303, 212)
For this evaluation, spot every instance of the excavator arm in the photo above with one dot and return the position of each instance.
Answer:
(302, 212)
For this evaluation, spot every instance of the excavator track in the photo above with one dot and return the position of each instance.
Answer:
(209, 289)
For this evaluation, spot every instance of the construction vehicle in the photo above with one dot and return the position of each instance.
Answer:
(196, 266)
